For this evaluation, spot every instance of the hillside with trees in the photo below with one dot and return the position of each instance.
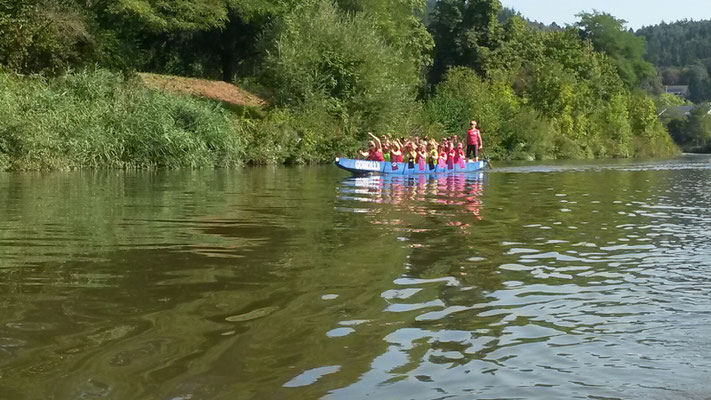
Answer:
(329, 71)
(681, 52)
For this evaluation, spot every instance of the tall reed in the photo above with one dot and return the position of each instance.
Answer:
(100, 119)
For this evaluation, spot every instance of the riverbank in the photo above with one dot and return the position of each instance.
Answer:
(101, 119)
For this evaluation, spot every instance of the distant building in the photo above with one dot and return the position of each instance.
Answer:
(677, 90)
(681, 111)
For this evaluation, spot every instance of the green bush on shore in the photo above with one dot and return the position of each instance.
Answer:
(550, 118)
(100, 120)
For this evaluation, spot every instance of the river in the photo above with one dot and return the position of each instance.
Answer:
(547, 280)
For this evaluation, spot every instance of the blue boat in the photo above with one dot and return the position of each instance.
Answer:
(396, 168)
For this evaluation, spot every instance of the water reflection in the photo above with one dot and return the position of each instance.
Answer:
(576, 301)
(300, 283)
(419, 195)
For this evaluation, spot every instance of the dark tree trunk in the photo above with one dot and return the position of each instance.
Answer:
(228, 54)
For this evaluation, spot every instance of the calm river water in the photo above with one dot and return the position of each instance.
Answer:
(537, 281)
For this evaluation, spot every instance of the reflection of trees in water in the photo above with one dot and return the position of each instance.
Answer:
(426, 209)
(417, 290)
(471, 321)
(453, 198)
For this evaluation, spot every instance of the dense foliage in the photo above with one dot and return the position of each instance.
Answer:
(679, 43)
(331, 69)
(608, 35)
(567, 96)
(100, 120)
(43, 36)
(682, 53)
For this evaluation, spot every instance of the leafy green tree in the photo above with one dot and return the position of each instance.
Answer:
(44, 35)
(668, 100)
(326, 55)
(698, 127)
(203, 37)
(225, 38)
(678, 44)
(608, 35)
(465, 33)
(173, 15)
(399, 25)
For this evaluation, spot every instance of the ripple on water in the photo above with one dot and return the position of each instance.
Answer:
(310, 377)
(339, 332)
(422, 288)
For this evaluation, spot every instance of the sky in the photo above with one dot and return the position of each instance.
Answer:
(637, 13)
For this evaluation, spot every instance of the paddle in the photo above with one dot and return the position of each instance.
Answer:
(488, 162)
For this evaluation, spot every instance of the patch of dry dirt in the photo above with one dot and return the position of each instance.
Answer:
(215, 90)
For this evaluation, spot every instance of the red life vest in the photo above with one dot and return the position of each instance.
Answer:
(395, 155)
(375, 155)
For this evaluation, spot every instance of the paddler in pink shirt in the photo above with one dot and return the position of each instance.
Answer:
(474, 143)
(375, 149)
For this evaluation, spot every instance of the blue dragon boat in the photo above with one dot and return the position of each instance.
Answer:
(396, 168)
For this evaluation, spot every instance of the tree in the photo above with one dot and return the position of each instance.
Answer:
(193, 37)
(399, 25)
(609, 35)
(465, 33)
(344, 62)
(678, 44)
(698, 127)
(44, 36)
(225, 38)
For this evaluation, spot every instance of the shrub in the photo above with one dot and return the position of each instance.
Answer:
(96, 119)
(340, 60)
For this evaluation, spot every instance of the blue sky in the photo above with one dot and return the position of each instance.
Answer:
(637, 13)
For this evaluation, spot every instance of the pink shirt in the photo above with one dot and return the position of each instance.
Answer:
(473, 137)
(376, 155)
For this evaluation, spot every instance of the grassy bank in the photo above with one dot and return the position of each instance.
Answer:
(102, 119)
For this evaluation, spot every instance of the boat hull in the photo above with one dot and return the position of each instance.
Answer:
(395, 168)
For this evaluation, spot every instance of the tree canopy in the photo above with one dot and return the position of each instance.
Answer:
(609, 35)
(681, 51)
(464, 33)
(334, 69)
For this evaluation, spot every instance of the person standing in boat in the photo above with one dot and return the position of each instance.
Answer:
(474, 143)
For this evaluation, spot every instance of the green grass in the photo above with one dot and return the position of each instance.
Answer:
(100, 120)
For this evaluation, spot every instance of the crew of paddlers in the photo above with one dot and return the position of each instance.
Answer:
(415, 150)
